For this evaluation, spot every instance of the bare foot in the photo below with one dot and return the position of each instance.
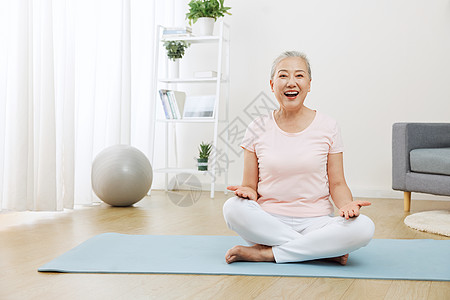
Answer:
(340, 259)
(254, 253)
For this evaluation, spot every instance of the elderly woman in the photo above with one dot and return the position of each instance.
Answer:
(293, 165)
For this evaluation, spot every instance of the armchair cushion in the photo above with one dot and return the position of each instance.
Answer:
(430, 160)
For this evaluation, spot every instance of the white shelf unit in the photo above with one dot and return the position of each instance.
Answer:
(221, 82)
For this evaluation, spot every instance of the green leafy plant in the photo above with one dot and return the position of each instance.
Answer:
(175, 49)
(204, 150)
(206, 9)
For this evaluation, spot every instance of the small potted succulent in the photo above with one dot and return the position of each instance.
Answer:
(206, 12)
(204, 152)
(175, 51)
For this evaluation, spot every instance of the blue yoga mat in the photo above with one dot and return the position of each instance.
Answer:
(180, 254)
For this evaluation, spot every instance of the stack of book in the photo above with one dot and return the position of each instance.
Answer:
(199, 107)
(173, 103)
(170, 32)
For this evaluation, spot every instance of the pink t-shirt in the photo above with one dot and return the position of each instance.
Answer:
(293, 178)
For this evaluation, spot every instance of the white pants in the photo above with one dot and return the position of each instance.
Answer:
(295, 239)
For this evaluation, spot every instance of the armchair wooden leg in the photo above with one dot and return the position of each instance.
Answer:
(407, 201)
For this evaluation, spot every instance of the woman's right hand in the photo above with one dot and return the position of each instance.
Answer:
(244, 192)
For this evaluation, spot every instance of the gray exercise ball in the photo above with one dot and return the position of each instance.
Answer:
(121, 175)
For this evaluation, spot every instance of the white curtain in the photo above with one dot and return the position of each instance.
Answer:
(75, 77)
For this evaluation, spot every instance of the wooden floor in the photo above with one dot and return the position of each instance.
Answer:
(30, 239)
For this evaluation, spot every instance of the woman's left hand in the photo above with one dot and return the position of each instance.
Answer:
(351, 210)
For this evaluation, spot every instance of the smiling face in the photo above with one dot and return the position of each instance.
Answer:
(291, 83)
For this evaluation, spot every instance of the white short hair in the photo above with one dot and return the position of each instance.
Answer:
(287, 54)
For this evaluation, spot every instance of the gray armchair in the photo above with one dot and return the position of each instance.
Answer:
(421, 159)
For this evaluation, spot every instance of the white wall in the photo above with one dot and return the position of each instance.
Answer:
(373, 63)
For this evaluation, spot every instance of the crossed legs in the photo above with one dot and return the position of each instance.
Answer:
(288, 239)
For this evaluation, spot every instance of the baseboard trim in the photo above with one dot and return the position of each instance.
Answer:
(357, 193)
(391, 194)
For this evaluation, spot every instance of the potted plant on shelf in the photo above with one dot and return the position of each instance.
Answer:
(175, 51)
(204, 152)
(205, 12)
